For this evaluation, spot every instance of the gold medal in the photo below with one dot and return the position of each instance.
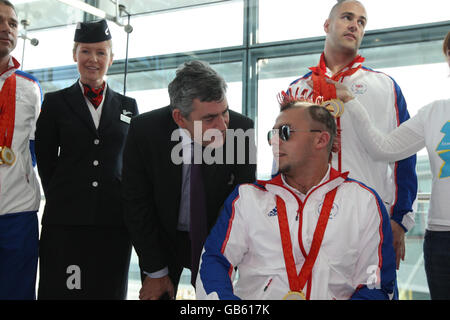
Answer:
(7, 156)
(335, 106)
(294, 295)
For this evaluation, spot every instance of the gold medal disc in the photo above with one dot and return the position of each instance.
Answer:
(7, 156)
(294, 295)
(335, 106)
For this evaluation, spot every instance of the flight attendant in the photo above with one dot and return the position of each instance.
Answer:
(80, 135)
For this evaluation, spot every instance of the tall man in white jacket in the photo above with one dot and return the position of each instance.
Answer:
(309, 233)
(20, 100)
(381, 96)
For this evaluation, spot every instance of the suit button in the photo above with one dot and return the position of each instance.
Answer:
(95, 184)
(96, 141)
(95, 163)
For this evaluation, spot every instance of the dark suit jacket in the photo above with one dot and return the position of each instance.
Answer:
(80, 166)
(152, 186)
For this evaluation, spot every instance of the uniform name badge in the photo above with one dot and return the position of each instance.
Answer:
(7, 156)
(125, 118)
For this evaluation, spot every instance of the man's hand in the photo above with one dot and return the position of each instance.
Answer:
(398, 235)
(154, 288)
(342, 92)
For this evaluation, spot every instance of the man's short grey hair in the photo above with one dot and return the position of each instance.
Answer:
(195, 80)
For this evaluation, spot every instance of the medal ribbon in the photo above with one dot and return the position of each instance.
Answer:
(7, 111)
(297, 282)
(323, 88)
(327, 91)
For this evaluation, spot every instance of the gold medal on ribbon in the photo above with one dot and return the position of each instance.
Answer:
(294, 295)
(7, 156)
(298, 281)
(335, 106)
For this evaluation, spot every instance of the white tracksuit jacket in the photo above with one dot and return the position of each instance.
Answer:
(396, 183)
(356, 259)
(19, 187)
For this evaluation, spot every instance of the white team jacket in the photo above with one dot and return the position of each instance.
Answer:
(396, 183)
(19, 187)
(356, 259)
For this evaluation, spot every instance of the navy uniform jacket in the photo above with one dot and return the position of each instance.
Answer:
(152, 186)
(80, 166)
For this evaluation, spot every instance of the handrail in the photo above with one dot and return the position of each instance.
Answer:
(424, 196)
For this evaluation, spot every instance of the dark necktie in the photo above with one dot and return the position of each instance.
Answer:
(95, 96)
(198, 224)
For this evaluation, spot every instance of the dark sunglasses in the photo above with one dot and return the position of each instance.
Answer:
(284, 132)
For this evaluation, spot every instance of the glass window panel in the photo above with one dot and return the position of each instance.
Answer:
(200, 28)
(18, 51)
(50, 86)
(389, 14)
(418, 94)
(293, 19)
(37, 11)
(46, 13)
(49, 53)
(54, 48)
(205, 27)
(135, 7)
(150, 88)
(119, 39)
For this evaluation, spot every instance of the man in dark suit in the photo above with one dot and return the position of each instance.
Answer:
(80, 136)
(156, 185)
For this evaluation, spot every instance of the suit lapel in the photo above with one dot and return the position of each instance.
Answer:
(175, 171)
(75, 100)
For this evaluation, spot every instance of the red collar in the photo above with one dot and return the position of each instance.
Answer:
(278, 181)
(16, 65)
(349, 69)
